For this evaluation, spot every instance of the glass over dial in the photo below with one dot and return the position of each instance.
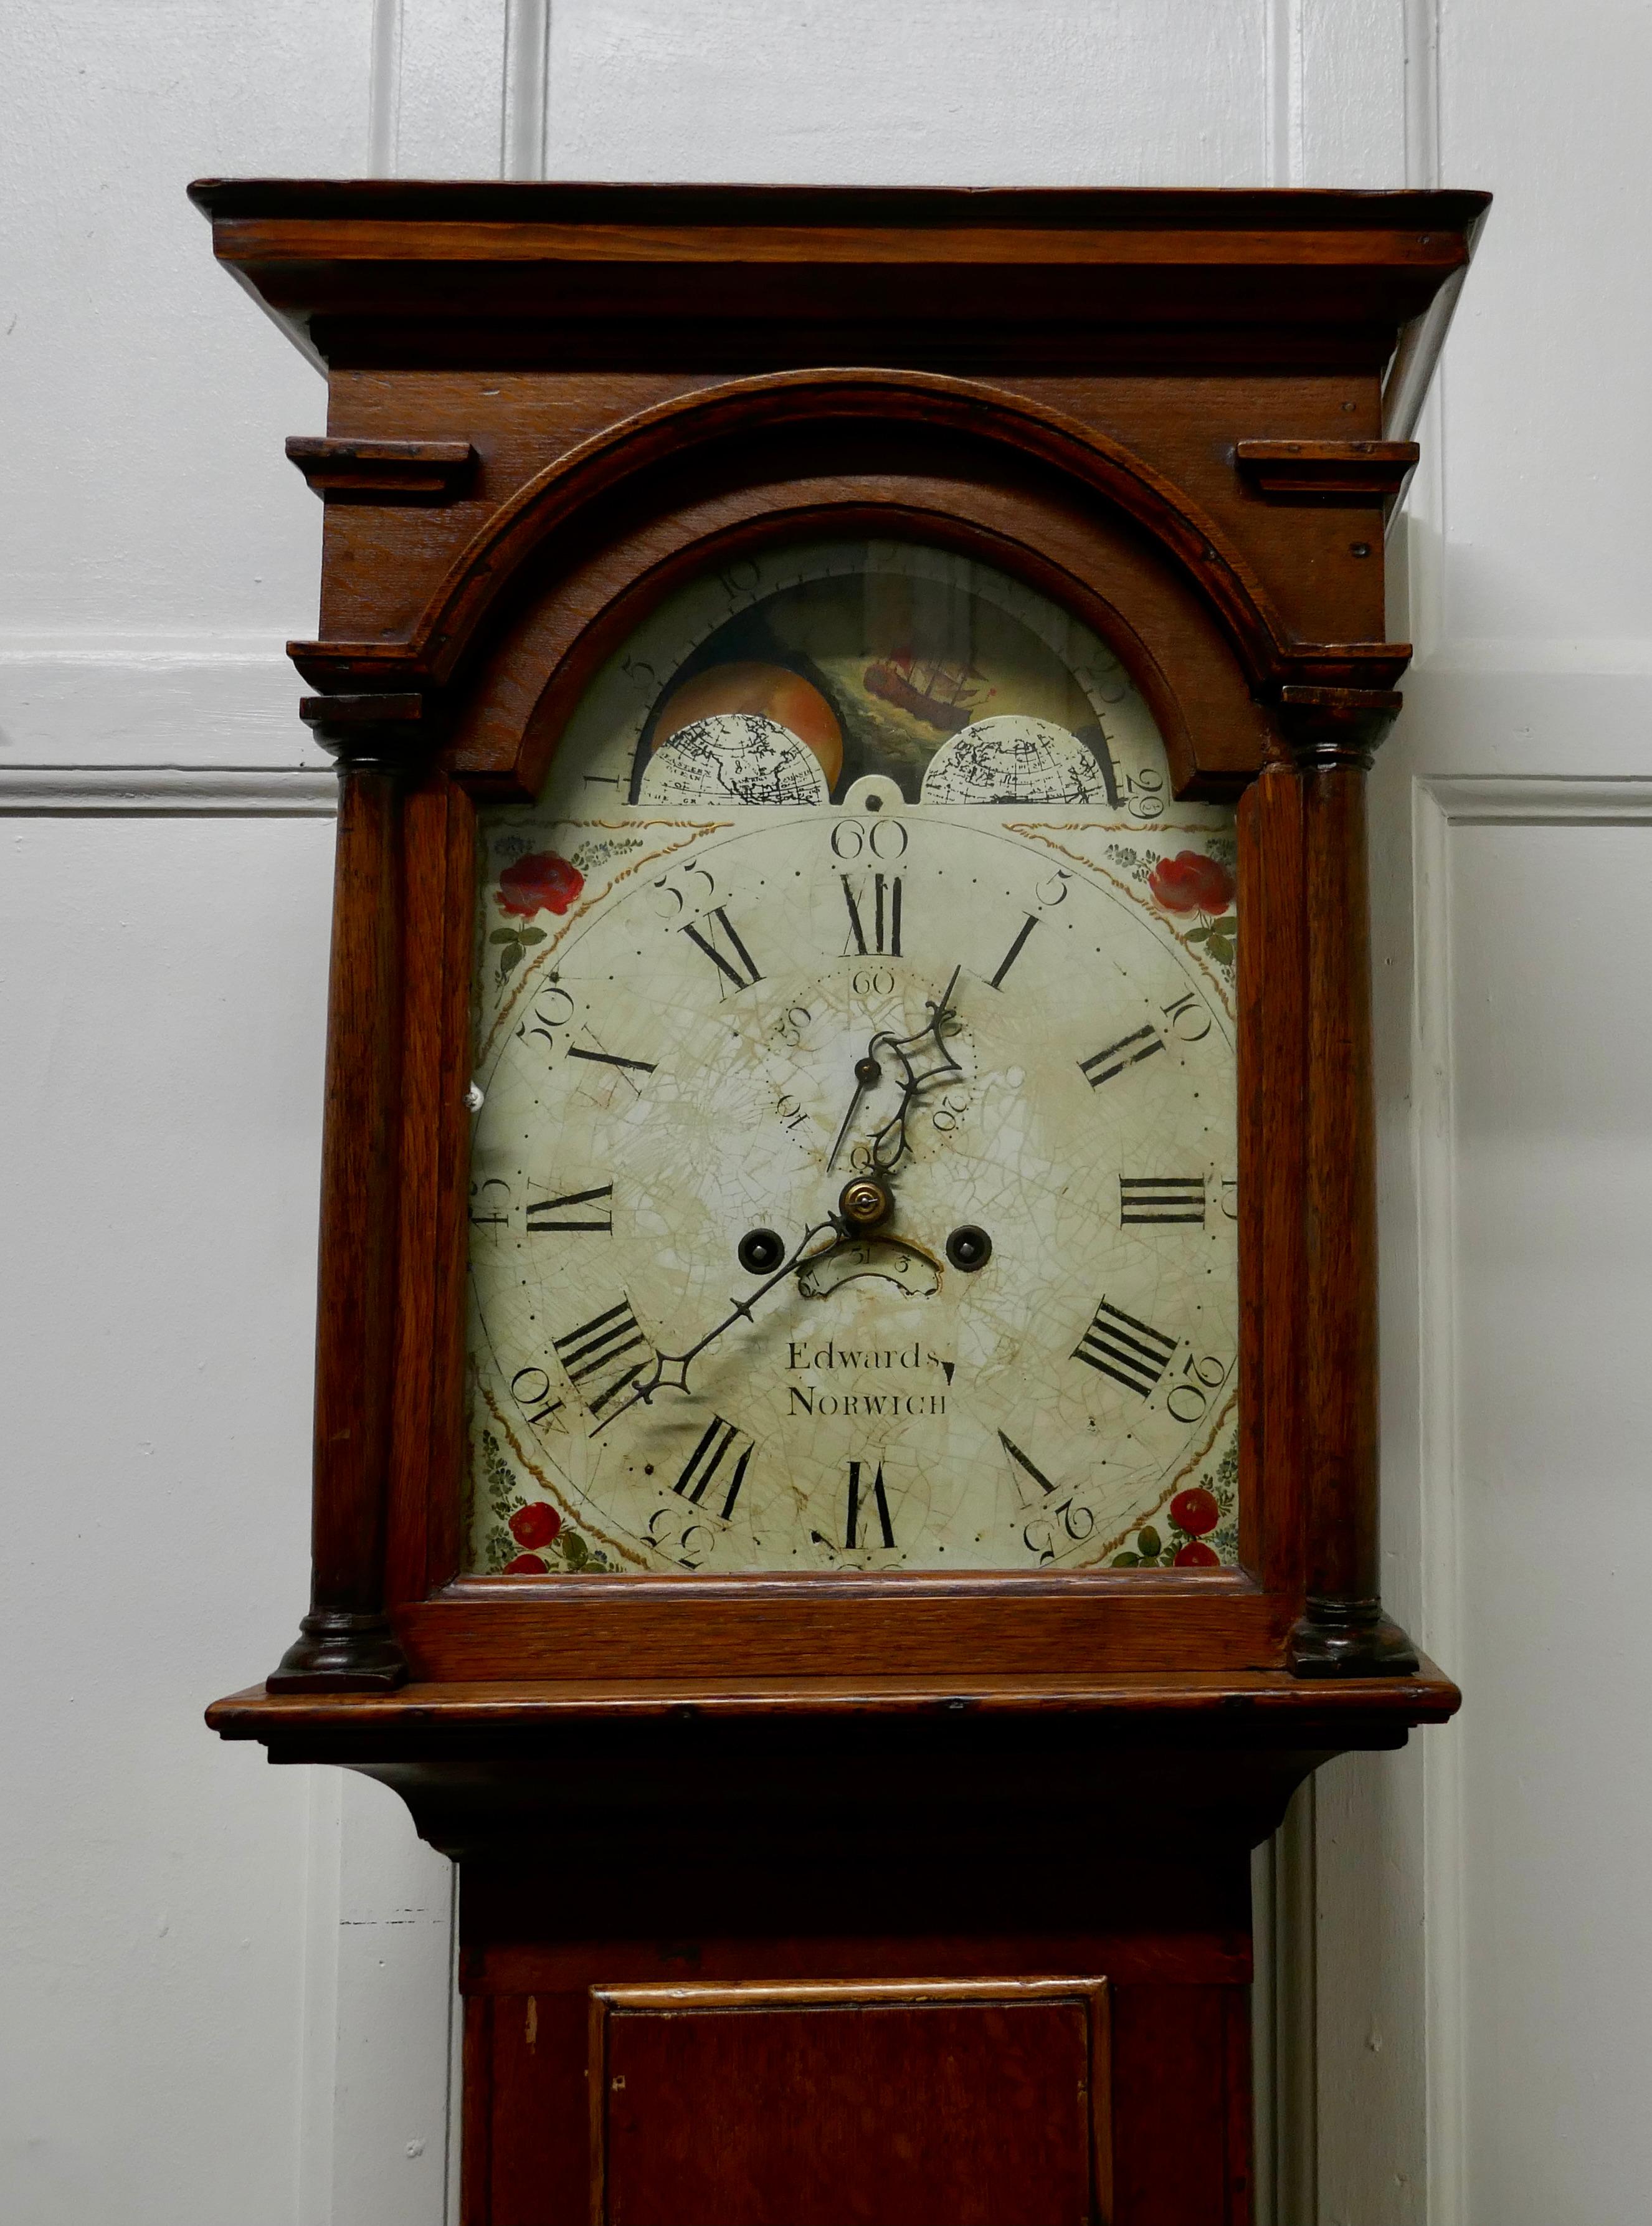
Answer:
(852, 1179)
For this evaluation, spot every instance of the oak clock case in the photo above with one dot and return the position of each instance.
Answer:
(846, 1454)
(853, 1179)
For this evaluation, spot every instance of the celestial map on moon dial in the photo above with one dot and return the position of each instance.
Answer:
(1013, 759)
(734, 757)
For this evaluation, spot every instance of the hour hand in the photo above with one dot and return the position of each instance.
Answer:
(868, 1073)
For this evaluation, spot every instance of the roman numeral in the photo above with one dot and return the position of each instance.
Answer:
(886, 917)
(1128, 1351)
(1128, 1051)
(1020, 1469)
(1013, 953)
(546, 1214)
(858, 1504)
(599, 1344)
(607, 1059)
(707, 1457)
(1161, 1197)
(741, 969)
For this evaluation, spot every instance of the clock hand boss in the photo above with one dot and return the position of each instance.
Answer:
(657, 1378)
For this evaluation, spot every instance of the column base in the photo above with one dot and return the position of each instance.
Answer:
(1349, 1638)
(336, 1652)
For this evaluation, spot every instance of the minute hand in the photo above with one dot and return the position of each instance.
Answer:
(670, 1370)
(890, 1146)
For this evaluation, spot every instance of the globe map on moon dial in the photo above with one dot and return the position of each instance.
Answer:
(1013, 759)
(734, 757)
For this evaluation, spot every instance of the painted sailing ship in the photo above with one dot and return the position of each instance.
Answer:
(945, 694)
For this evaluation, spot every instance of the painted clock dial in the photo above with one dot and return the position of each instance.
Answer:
(853, 1171)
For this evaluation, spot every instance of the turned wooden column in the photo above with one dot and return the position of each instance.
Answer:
(345, 1642)
(1332, 734)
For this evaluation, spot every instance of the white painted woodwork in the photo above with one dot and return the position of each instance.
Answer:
(227, 1989)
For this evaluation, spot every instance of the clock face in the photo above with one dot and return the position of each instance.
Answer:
(853, 1177)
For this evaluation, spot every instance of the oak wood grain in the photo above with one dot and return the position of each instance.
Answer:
(871, 2099)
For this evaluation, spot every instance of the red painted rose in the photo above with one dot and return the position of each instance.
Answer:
(534, 1525)
(530, 1565)
(1194, 1512)
(1191, 883)
(1195, 1554)
(541, 881)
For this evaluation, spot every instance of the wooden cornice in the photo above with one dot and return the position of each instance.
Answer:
(385, 271)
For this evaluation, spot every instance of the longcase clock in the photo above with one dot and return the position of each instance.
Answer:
(845, 1485)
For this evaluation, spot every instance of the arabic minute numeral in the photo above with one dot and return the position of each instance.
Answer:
(1077, 1522)
(552, 1008)
(601, 1344)
(1188, 1019)
(687, 1544)
(1143, 796)
(883, 839)
(494, 1219)
(866, 1494)
(738, 966)
(531, 1388)
(1132, 1353)
(1144, 1198)
(549, 1215)
(877, 908)
(702, 1465)
(739, 582)
(1189, 1395)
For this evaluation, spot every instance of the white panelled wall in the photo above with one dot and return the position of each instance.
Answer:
(227, 1990)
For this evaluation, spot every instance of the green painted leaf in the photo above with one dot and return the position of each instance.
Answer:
(1149, 1541)
(503, 935)
(531, 934)
(1127, 1561)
